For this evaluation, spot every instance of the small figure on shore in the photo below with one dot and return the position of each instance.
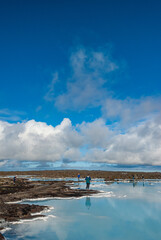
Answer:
(88, 179)
(133, 177)
(78, 176)
(14, 179)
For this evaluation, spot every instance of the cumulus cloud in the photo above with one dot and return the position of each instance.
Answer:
(86, 84)
(37, 141)
(3, 163)
(139, 145)
(132, 137)
(96, 134)
(130, 111)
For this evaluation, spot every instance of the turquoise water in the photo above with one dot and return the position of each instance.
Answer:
(123, 210)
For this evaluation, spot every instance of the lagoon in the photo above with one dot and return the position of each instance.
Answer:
(123, 210)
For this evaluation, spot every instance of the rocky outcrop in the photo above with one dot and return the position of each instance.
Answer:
(1, 237)
(15, 212)
(24, 189)
(41, 189)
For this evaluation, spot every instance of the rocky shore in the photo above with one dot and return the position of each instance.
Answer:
(1, 237)
(107, 175)
(26, 189)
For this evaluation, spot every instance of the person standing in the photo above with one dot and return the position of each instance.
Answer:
(88, 179)
(78, 176)
(14, 179)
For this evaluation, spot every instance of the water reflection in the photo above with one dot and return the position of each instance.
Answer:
(134, 211)
(110, 182)
(78, 185)
(88, 202)
(134, 183)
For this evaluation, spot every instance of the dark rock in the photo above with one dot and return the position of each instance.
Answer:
(1, 237)
(24, 189)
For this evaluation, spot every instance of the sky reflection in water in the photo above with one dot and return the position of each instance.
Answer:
(120, 211)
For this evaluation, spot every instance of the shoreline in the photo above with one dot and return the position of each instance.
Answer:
(107, 175)
(11, 195)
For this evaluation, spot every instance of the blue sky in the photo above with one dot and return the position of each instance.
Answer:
(80, 83)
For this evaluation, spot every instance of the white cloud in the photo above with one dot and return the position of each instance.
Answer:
(3, 163)
(50, 94)
(139, 145)
(96, 133)
(37, 141)
(130, 111)
(90, 71)
(11, 115)
(87, 83)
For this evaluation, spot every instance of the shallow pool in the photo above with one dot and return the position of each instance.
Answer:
(123, 210)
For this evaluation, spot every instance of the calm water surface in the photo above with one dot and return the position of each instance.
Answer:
(121, 211)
